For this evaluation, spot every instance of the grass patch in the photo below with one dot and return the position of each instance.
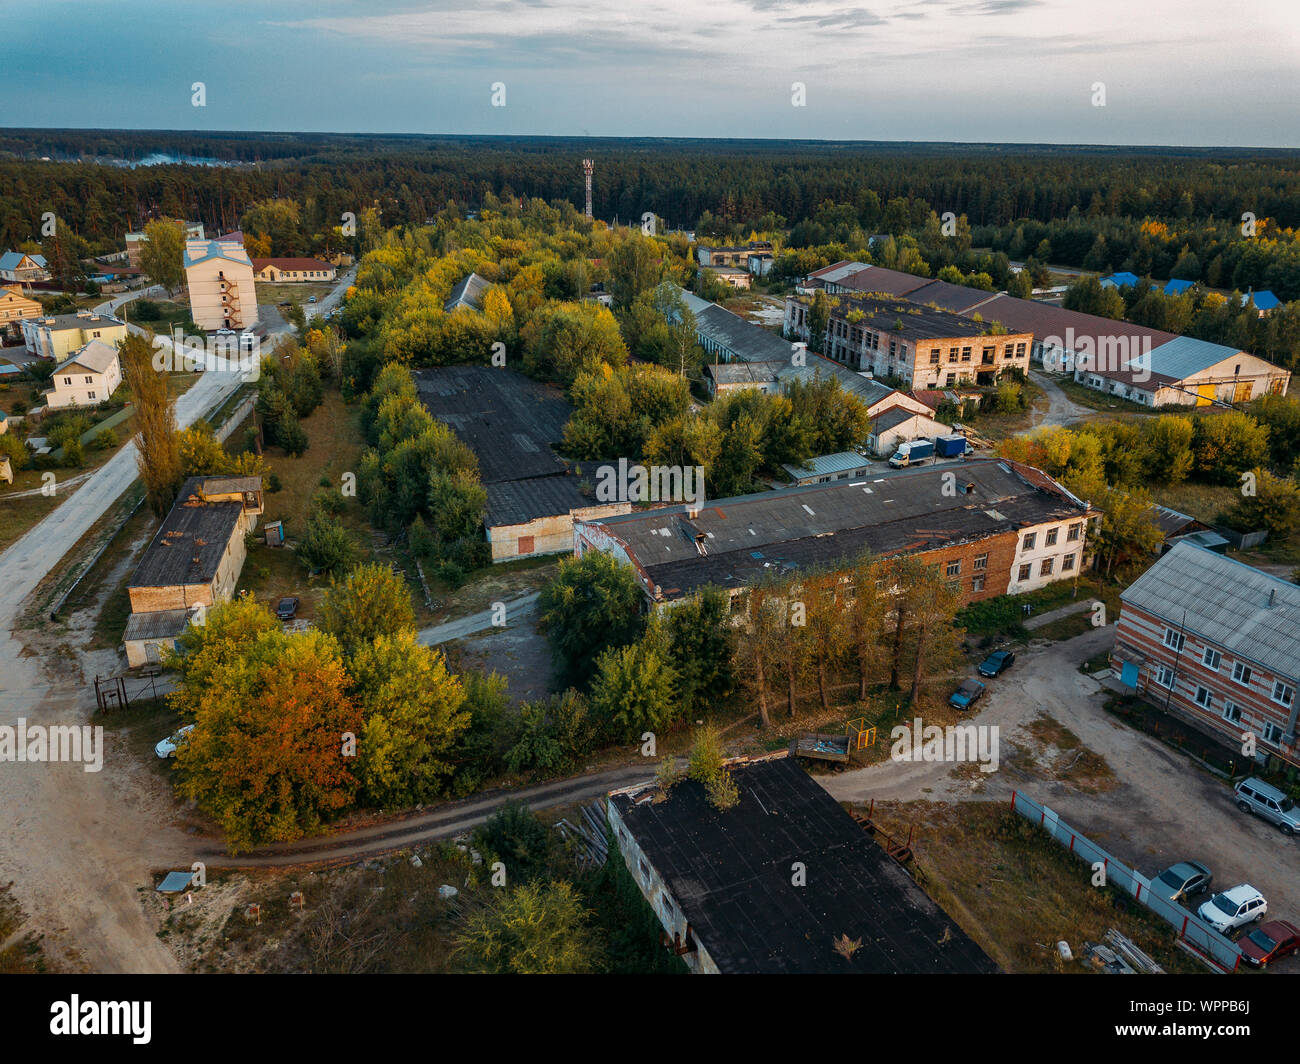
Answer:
(24, 955)
(1100, 401)
(1017, 892)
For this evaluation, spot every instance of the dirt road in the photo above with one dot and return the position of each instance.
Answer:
(1061, 409)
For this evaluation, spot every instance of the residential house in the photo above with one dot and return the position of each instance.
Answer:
(14, 307)
(720, 881)
(1217, 643)
(21, 268)
(87, 377)
(59, 336)
(219, 276)
(1264, 300)
(469, 292)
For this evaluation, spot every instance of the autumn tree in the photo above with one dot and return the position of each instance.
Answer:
(413, 714)
(157, 442)
(371, 601)
(762, 625)
(268, 756)
(865, 619)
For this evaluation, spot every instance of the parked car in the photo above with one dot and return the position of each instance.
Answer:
(1265, 800)
(997, 663)
(312, 299)
(1233, 908)
(967, 694)
(1270, 942)
(168, 746)
(287, 608)
(1185, 879)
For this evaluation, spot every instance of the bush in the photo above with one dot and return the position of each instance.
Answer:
(273, 483)
(73, 456)
(104, 440)
(515, 836)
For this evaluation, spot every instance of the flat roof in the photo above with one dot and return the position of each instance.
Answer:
(191, 541)
(729, 871)
(516, 502)
(732, 542)
(910, 321)
(509, 421)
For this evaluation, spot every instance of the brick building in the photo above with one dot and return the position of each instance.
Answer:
(991, 527)
(921, 345)
(1217, 643)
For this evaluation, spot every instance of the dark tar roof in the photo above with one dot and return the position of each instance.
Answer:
(189, 544)
(908, 321)
(516, 502)
(732, 542)
(731, 874)
(508, 420)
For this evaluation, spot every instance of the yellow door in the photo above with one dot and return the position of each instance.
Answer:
(1241, 394)
(1204, 393)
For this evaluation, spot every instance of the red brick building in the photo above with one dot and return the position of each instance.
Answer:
(1217, 643)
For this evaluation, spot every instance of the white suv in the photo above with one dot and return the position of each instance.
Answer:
(1233, 908)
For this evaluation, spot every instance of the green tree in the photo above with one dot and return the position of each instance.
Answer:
(413, 710)
(161, 254)
(535, 929)
(594, 603)
(1228, 444)
(553, 737)
(635, 688)
(701, 645)
(1274, 505)
(157, 442)
(371, 601)
(516, 836)
(325, 546)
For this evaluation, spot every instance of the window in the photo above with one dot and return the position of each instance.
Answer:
(1073, 532)
(981, 561)
(1241, 673)
(90, 395)
(1203, 697)
(952, 355)
(1164, 676)
(1050, 539)
(1020, 350)
(965, 354)
(934, 358)
(1067, 562)
(1211, 659)
(1231, 712)
(1046, 568)
(954, 568)
(89, 380)
(977, 582)
(1283, 692)
(1024, 573)
(1031, 538)
(67, 380)
(1174, 639)
(1272, 733)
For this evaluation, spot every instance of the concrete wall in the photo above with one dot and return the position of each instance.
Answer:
(1041, 550)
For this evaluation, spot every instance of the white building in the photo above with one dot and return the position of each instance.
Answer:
(219, 275)
(87, 377)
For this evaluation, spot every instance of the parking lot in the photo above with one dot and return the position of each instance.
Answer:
(1162, 808)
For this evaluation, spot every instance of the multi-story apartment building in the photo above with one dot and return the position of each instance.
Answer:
(219, 275)
(1217, 643)
(59, 336)
(920, 345)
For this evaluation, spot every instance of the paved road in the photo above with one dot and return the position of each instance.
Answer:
(515, 611)
(1164, 808)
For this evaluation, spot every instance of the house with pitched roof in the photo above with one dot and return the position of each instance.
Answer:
(14, 307)
(468, 292)
(21, 268)
(293, 271)
(88, 377)
(219, 276)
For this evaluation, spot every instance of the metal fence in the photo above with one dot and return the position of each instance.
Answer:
(1194, 931)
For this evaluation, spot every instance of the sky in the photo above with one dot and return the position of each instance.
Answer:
(1186, 72)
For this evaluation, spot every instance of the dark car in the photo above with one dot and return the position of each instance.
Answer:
(1185, 879)
(997, 663)
(967, 694)
(287, 608)
(1269, 942)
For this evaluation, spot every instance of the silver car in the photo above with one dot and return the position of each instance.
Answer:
(1265, 800)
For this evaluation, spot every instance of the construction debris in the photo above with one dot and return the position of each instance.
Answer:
(588, 836)
(1126, 948)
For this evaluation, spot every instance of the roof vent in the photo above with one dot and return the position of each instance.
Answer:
(1272, 597)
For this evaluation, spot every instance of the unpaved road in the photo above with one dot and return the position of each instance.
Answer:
(1165, 808)
(515, 611)
(1061, 409)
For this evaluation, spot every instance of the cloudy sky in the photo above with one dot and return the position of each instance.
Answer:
(1174, 71)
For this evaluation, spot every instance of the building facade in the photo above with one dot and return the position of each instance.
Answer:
(219, 276)
(86, 378)
(21, 268)
(293, 271)
(59, 336)
(14, 308)
(1217, 643)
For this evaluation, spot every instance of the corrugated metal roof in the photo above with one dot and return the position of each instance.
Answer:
(828, 464)
(1242, 609)
(1182, 357)
(162, 624)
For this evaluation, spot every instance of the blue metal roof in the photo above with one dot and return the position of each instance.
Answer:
(1178, 287)
(1120, 280)
(10, 260)
(828, 465)
(1264, 299)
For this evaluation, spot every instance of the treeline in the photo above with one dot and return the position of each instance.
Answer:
(723, 186)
